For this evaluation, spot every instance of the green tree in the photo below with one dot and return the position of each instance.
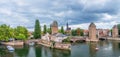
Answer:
(5, 32)
(45, 29)
(73, 32)
(21, 33)
(49, 30)
(78, 31)
(62, 30)
(81, 32)
(37, 30)
(118, 28)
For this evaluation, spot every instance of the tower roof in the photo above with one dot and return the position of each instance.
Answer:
(92, 25)
(54, 23)
(115, 26)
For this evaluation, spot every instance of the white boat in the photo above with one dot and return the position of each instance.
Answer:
(31, 43)
(96, 48)
(10, 48)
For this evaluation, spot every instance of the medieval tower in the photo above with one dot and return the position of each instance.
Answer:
(54, 27)
(92, 32)
(115, 31)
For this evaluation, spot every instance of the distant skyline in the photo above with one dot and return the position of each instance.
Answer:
(78, 13)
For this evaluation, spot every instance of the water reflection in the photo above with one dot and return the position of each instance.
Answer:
(92, 49)
(106, 49)
(31, 52)
(38, 51)
(4, 52)
(48, 52)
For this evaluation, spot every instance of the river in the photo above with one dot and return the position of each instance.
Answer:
(106, 49)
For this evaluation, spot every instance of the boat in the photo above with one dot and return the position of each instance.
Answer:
(31, 43)
(96, 48)
(10, 48)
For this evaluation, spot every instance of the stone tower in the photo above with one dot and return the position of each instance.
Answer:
(54, 27)
(115, 31)
(92, 32)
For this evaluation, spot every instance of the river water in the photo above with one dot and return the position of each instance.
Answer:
(106, 49)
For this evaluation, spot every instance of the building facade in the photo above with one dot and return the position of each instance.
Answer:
(68, 29)
(54, 27)
(115, 31)
(92, 32)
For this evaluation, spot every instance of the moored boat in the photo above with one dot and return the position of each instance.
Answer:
(10, 48)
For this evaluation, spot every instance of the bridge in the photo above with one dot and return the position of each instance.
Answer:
(32, 40)
(102, 38)
(77, 39)
(108, 38)
(113, 38)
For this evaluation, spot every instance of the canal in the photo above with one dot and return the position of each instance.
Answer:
(106, 49)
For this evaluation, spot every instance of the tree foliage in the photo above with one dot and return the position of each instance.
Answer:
(37, 30)
(118, 28)
(21, 33)
(77, 32)
(6, 32)
(45, 29)
(73, 32)
(49, 30)
(62, 30)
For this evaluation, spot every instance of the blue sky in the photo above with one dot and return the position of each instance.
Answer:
(79, 13)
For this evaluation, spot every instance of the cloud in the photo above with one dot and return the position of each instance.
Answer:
(79, 13)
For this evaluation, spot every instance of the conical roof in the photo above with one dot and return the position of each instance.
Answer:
(92, 25)
(115, 26)
(54, 23)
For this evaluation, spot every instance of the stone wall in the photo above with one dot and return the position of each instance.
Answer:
(92, 31)
(115, 31)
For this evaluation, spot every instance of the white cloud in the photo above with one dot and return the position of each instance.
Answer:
(24, 12)
(5, 11)
(101, 25)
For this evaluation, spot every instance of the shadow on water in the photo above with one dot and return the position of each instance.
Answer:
(28, 51)
(88, 49)
(49, 52)
(4, 52)
(92, 49)
(22, 52)
(60, 53)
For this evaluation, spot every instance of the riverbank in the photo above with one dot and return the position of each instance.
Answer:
(13, 43)
(56, 45)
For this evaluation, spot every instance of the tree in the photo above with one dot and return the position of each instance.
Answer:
(81, 32)
(21, 33)
(37, 30)
(78, 31)
(5, 32)
(118, 28)
(49, 30)
(45, 29)
(73, 32)
(62, 30)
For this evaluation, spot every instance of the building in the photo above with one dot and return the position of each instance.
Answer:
(92, 32)
(58, 37)
(115, 31)
(46, 37)
(54, 27)
(68, 29)
(86, 32)
(103, 33)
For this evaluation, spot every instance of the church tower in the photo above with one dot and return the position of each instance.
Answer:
(68, 29)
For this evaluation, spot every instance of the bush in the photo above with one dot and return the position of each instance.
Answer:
(67, 40)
